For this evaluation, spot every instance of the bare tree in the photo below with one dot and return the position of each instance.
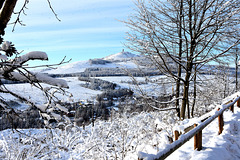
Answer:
(236, 62)
(13, 67)
(200, 29)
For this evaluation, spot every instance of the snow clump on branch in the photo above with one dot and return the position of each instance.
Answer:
(16, 69)
(6, 45)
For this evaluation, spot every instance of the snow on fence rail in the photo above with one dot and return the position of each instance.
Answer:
(194, 130)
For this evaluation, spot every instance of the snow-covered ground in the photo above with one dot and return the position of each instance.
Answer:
(78, 92)
(221, 147)
(147, 85)
(122, 138)
(36, 95)
(81, 93)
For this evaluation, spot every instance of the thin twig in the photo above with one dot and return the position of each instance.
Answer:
(50, 6)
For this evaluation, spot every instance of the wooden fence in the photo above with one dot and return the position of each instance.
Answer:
(192, 131)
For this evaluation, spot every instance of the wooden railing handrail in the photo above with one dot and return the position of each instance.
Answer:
(186, 137)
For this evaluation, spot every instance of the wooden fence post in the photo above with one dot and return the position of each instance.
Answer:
(220, 122)
(238, 102)
(176, 135)
(232, 108)
(198, 140)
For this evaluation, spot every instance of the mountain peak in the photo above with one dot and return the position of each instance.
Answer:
(111, 61)
(120, 56)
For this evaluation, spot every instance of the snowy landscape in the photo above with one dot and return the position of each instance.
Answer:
(166, 88)
(124, 134)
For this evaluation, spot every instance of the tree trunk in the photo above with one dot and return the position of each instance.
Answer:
(6, 12)
(178, 83)
(194, 91)
(178, 92)
(190, 58)
(185, 102)
(236, 70)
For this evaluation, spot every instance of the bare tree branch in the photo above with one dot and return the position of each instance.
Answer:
(22, 10)
(50, 6)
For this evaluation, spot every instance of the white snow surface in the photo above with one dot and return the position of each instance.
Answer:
(36, 95)
(222, 147)
(150, 89)
(34, 55)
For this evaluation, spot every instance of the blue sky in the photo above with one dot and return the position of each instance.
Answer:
(88, 29)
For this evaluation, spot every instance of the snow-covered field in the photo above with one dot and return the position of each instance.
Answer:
(148, 85)
(81, 93)
(36, 95)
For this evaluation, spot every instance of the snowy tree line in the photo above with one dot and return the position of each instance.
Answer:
(97, 84)
(99, 61)
(102, 72)
(29, 118)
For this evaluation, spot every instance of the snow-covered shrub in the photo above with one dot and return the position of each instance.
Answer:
(120, 138)
(211, 90)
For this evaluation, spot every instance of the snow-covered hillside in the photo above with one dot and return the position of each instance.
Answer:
(37, 96)
(124, 61)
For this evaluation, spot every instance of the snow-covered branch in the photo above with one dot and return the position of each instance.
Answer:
(34, 55)
(16, 69)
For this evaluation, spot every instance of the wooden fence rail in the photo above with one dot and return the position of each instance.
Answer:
(192, 131)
